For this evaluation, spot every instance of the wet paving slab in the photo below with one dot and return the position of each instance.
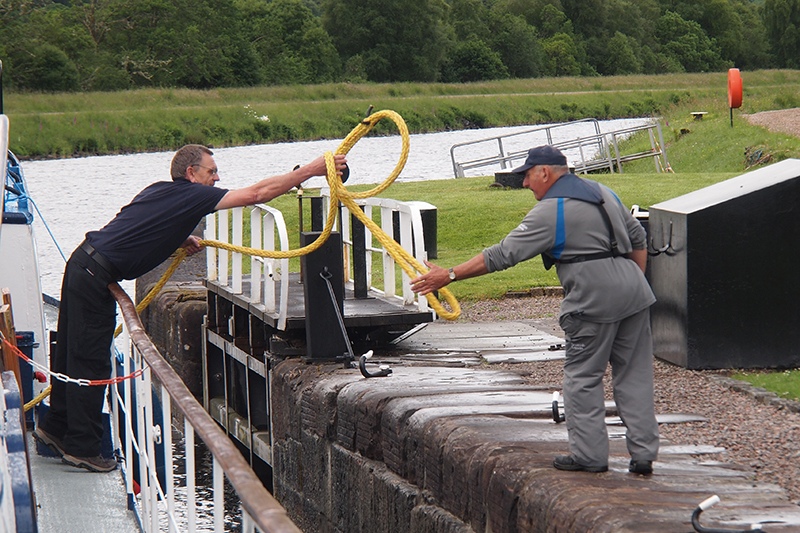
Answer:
(503, 342)
(480, 443)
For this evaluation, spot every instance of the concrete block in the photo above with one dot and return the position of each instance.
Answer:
(174, 322)
(432, 519)
(288, 465)
(345, 489)
(315, 478)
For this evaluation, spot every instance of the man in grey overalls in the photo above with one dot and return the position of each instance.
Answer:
(600, 254)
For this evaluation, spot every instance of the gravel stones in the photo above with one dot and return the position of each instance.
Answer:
(780, 120)
(757, 429)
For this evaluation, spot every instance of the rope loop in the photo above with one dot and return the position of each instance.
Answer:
(340, 194)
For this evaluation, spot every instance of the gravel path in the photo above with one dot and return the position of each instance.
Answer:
(782, 120)
(765, 438)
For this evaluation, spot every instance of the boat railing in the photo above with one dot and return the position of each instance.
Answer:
(269, 278)
(142, 432)
(411, 232)
(585, 152)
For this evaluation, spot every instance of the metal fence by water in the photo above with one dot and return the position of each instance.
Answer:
(587, 148)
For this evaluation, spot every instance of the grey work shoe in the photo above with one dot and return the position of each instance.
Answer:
(93, 464)
(46, 439)
(641, 467)
(567, 462)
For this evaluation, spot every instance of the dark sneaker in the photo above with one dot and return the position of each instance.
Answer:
(567, 462)
(46, 439)
(93, 464)
(641, 467)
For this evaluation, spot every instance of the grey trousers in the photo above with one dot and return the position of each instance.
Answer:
(628, 346)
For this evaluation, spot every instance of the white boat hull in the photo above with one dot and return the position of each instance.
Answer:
(19, 272)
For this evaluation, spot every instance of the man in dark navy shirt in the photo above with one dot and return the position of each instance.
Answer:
(141, 236)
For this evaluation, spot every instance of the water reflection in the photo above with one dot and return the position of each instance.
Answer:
(204, 493)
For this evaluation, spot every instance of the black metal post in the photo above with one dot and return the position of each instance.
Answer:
(324, 340)
(359, 234)
(316, 213)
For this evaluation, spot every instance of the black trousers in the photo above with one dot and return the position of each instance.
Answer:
(86, 322)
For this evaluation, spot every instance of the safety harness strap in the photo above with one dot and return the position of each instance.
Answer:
(571, 186)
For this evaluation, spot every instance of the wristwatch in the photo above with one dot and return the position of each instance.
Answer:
(452, 274)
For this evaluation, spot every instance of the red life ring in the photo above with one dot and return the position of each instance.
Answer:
(734, 88)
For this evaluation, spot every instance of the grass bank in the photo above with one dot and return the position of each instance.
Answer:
(472, 215)
(73, 124)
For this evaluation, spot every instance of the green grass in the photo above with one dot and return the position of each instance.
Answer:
(471, 216)
(712, 144)
(786, 383)
(67, 124)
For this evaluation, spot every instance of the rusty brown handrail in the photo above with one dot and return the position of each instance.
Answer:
(262, 507)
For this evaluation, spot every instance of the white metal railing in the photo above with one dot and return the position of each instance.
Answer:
(412, 239)
(265, 273)
(269, 278)
(585, 153)
(156, 502)
(524, 140)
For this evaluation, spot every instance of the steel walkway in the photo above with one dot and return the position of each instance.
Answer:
(72, 500)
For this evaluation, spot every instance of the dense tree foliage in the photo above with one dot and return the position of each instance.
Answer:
(67, 45)
(782, 21)
(395, 40)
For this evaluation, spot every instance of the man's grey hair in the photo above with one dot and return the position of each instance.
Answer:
(187, 156)
(563, 169)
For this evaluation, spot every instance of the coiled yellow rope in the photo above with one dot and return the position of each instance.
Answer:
(339, 194)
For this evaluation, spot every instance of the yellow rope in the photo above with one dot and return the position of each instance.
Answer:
(339, 194)
(42, 395)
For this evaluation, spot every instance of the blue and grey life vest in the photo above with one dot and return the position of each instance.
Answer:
(571, 186)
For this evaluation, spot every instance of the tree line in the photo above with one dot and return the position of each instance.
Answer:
(106, 45)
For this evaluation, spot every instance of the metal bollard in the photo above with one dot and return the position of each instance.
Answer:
(707, 504)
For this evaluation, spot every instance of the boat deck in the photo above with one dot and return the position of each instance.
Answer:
(73, 500)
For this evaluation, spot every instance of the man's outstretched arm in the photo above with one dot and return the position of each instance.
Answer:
(437, 277)
(269, 188)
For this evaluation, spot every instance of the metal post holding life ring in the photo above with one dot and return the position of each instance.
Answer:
(734, 90)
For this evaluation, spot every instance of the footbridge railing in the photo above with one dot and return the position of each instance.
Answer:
(146, 427)
(269, 278)
(588, 150)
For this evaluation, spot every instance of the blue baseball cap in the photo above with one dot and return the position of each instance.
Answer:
(542, 155)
